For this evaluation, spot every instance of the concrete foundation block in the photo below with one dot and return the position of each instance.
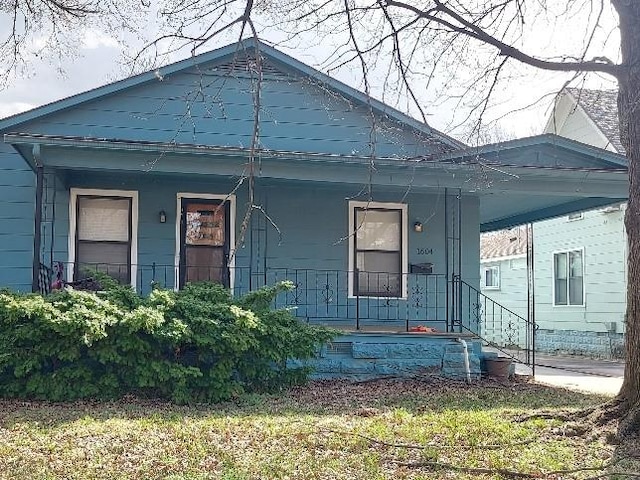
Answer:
(355, 367)
(369, 350)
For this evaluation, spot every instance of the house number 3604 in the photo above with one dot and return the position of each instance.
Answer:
(425, 251)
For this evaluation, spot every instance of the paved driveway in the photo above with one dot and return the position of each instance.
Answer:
(576, 373)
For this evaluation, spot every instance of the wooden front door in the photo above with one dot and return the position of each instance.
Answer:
(204, 241)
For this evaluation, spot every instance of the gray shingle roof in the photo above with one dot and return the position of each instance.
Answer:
(602, 108)
(503, 243)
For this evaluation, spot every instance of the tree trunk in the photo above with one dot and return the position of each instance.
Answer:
(629, 116)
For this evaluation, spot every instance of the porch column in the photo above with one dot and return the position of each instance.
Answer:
(37, 233)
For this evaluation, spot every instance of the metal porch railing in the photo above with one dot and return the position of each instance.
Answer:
(399, 302)
(499, 327)
(392, 302)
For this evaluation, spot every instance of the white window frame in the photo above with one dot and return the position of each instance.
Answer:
(404, 215)
(484, 277)
(73, 222)
(232, 231)
(553, 279)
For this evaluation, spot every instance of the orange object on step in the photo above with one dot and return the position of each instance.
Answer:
(423, 329)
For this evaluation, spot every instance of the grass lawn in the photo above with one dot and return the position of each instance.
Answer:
(327, 430)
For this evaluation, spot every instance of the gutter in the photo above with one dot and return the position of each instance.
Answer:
(450, 161)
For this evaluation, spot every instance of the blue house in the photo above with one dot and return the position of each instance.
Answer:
(244, 166)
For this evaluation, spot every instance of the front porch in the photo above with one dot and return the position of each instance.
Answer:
(423, 327)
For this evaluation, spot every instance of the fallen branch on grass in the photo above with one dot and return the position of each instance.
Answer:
(614, 475)
(475, 470)
(479, 470)
(424, 447)
(562, 416)
(512, 473)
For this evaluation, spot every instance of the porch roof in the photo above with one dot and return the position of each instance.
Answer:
(516, 182)
(567, 176)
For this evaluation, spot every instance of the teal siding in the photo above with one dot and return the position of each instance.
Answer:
(313, 224)
(212, 109)
(603, 238)
(512, 293)
(16, 217)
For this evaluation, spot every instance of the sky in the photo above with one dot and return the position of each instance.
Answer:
(99, 60)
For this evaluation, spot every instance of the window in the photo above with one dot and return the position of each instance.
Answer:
(103, 233)
(568, 278)
(378, 252)
(491, 277)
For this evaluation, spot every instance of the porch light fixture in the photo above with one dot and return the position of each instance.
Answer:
(163, 216)
(417, 227)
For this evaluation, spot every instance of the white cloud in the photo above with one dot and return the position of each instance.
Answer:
(11, 108)
(93, 39)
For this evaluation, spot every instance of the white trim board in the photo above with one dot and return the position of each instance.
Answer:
(73, 222)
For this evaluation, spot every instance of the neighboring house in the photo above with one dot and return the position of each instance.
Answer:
(503, 268)
(373, 215)
(588, 116)
(580, 259)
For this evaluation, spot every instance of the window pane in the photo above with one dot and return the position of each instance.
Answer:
(560, 267)
(378, 284)
(110, 258)
(378, 229)
(575, 291)
(205, 224)
(378, 274)
(576, 284)
(560, 278)
(491, 276)
(104, 218)
(575, 264)
(561, 292)
(378, 262)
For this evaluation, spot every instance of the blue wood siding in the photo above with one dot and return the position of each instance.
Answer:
(296, 115)
(313, 238)
(16, 217)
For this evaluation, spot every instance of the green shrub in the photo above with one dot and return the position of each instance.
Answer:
(196, 345)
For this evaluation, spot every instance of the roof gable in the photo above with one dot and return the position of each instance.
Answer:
(330, 110)
(601, 106)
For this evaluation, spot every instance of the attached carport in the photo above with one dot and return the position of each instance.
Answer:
(528, 180)
(537, 178)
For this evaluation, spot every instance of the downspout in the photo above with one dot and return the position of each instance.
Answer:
(37, 234)
(465, 350)
(460, 237)
(533, 306)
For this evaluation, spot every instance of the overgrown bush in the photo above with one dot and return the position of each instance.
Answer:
(195, 345)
